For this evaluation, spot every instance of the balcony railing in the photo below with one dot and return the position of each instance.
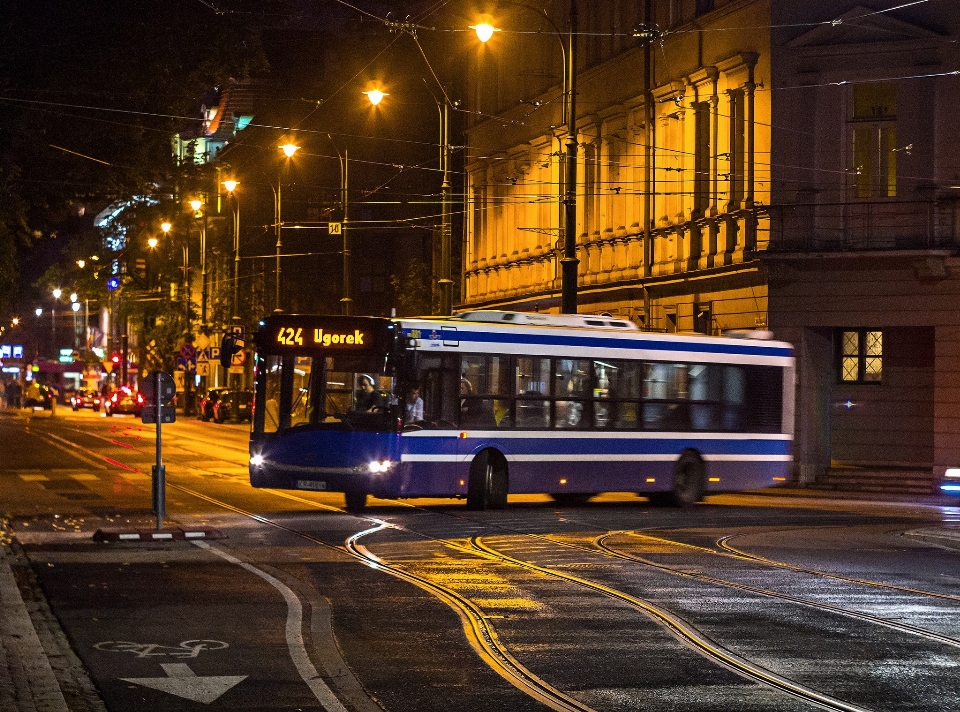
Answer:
(866, 226)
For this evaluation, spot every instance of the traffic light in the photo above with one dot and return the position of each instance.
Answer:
(115, 359)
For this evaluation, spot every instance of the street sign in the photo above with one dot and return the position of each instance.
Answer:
(238, 359)
(167, 389)
(187, 351)
(335, 228)
(203, 368)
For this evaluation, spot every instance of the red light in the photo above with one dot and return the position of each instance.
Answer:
(139, 398)
(115, 358)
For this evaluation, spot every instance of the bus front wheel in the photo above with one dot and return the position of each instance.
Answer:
(489, 484)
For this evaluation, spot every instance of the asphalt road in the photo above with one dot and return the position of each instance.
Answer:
(782, 600)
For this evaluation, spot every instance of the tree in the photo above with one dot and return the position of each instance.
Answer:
(413, 289)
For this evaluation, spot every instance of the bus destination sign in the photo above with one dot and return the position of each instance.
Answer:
(300, 336)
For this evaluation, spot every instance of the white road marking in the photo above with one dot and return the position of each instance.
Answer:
(184, 682)
(294, 629)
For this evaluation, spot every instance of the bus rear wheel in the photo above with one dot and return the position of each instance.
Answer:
(356, 500)
(689, 480)
(489, 484)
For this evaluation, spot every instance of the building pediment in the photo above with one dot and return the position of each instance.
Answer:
(862, 25)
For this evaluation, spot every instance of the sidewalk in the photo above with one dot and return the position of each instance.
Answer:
(42, 672)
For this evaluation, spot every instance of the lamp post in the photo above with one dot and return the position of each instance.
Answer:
(346, 301)
(53, 321)
(288, 150)
(75, 306)
(198, 206)
(444, 283)
(569, 262)
(231, 186)
(166, 227)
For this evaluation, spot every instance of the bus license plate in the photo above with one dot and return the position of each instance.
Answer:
(311, 485)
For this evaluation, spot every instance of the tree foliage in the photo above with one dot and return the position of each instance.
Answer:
(91, 93)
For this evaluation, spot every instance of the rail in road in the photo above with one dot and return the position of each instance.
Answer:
(533, 571)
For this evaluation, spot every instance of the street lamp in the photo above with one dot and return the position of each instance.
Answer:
(444, 283)
(57, 292)
(166, 227)
(346, 301)
(198, 206)
(288, 150)
(231, 186)
(569, 262)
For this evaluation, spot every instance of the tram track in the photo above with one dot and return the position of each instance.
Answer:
(479, 629)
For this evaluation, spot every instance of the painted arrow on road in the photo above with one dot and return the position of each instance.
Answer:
(184, 682)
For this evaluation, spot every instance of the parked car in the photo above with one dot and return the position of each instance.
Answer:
(86, 399)
(235, 406)
(123, 400)
(205, 409)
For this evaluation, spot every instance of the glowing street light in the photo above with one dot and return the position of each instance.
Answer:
(167, 227)
(569, 262)
(444, 283)
(288, 150)
(375, 96)
(484, 30)
(231, 186)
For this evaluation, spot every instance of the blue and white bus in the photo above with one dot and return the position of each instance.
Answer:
(491, 403)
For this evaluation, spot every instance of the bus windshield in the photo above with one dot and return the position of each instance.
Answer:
(341, 392)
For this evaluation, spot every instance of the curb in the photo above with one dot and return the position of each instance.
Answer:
(114, 535)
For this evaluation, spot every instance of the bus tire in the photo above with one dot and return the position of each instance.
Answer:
(356, 500)
(489, 482)
(689, 480)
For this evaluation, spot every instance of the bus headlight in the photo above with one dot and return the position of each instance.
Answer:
(256, 460)
(380, 466)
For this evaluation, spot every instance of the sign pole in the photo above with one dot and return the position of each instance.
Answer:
(159, 476)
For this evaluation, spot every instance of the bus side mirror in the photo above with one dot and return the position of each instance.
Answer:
(229, 346)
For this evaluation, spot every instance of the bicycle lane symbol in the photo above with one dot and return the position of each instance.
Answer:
(186, 649)
(180, 680)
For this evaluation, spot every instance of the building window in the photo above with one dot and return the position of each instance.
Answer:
(737, 168)
(874, 139)
(703, 319)
(703, 154)
(861, 356)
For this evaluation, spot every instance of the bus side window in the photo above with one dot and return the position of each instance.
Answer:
(440, 389)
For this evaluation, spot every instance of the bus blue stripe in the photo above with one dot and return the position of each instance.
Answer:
(504, 337)
(574, 446)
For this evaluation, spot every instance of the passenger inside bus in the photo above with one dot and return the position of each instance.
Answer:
(474, 412)
(414, 404)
